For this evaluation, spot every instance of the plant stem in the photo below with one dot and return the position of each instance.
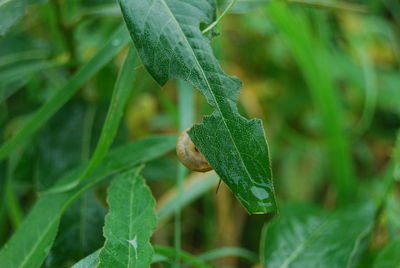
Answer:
(186, 106)
(212, 25)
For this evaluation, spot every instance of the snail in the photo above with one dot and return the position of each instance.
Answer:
(189, 155)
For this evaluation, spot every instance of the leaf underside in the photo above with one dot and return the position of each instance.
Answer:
(169, 41)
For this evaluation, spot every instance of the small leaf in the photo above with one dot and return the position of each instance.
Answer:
(304, 236)
(30, 244)
(170, 43)
(129, 223)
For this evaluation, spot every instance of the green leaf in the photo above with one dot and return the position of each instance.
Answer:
(129, 223)
(168, 38)
(80, 232)
(389, 257)
(119, 99)
(89, 261)
(11, 11)
(31, 242)
(195, 186)
(118, 39)
(304, 236)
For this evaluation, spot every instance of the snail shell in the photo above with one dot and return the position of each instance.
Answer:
(189, 155)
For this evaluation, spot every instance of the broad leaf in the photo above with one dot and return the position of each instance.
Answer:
(129, 223)
(308, 237)
(31, 242)
(170, 42)
(11, 11)
(389, 257)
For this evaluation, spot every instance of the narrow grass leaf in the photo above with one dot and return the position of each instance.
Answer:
(119, 99)
(195, 186)
(129, 223)
(171, 45)
(30, 244)
(39, 118)
(314, 63)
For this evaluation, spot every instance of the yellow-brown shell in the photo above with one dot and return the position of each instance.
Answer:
(189, 155)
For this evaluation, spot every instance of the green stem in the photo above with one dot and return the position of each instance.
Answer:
(212, 25)
(186, 106)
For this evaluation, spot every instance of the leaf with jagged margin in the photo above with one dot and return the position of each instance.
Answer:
(306, 236)
(129, 223)
(30, 244)
(170, 43)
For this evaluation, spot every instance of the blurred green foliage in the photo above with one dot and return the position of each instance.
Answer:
(327, 88)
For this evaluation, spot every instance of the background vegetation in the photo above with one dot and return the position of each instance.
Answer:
(323, 77)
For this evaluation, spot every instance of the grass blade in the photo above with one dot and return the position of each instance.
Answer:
(30, 244)
(315, 66)
(119, 99)
(119, 39)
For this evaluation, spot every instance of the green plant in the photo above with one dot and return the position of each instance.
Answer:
(88, 172)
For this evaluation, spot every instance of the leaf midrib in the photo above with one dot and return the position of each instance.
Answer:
(210, 90)
(130, 216)
(304, 244)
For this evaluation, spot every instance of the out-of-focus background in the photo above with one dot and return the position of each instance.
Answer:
(327, 91)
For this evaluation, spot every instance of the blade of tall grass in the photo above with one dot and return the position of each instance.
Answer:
(119, 99)
(118, 40)
(30, 244)
(11, 201)
(314, 64)
(195, 185)
(186, 115)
